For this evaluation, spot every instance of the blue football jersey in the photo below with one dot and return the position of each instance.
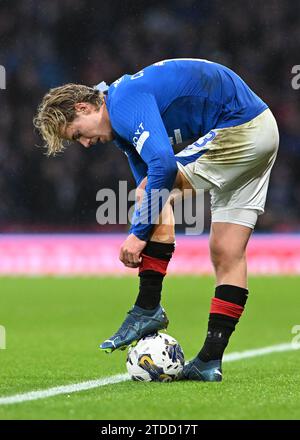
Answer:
(168, 103)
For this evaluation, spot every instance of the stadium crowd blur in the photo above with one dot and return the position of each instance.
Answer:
(48, 43)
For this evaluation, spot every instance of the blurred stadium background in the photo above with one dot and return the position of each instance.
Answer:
(47, 43)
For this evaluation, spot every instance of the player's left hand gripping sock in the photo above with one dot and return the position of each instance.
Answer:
(226, 309)
(147, 316)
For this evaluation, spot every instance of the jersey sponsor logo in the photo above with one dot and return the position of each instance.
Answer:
(144, 136)
(140, 136)
(137, 134)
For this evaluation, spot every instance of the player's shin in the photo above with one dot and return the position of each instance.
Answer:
(153, 268)
(226, 309)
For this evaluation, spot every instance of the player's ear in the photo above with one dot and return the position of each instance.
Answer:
(82, 107)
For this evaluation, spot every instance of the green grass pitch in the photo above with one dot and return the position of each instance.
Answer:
(54, 325)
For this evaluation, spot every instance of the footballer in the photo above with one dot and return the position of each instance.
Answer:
(232, 139)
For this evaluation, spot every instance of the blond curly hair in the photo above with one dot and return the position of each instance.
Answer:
(57, 110)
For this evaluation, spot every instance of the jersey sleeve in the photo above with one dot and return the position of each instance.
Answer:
(136, 118)
(137, 165)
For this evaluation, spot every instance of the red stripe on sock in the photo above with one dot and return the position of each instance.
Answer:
(226, 308)
(151, 263)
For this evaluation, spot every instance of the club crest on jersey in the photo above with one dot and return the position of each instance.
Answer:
(140, 136)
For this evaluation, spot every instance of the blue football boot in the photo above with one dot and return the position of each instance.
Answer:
(139, 323)
(204, 371)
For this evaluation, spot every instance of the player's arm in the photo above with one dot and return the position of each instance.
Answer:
(137, 165)
(137, 120)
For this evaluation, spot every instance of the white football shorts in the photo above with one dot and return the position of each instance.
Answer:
(235, 169)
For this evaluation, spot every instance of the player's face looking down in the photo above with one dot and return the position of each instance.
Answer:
(90, 126)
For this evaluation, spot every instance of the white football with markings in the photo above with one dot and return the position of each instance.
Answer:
(157, 357)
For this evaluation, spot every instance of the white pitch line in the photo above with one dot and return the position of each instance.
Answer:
(231, 357)
(88, 385)
(65, 389)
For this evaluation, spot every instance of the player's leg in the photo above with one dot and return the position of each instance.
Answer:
(147, 315)
(234, 214)
(159, 250)
(155, 259)
(228, 243)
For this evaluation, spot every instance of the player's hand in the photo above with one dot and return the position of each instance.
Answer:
(130, 253)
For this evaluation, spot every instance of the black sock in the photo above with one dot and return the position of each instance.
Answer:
(222, 325)
(155, 259)
(150, 290)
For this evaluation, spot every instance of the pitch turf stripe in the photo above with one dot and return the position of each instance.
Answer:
(83, 386)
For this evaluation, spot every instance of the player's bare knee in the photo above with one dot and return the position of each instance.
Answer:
(163, 234)
(225, 256)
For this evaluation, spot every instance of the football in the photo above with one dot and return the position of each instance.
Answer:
(157, 357)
